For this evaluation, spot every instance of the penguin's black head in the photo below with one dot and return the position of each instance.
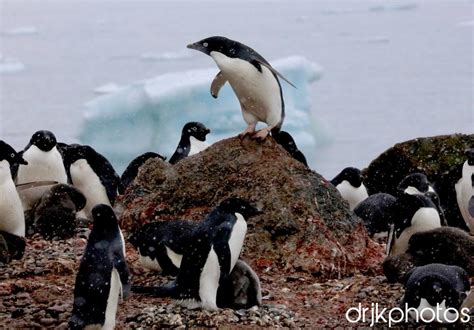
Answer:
(104, 217)
(238, 205)
(196, 130)
(219, 44)
(44, 140)
(470, 156)
(74, 152)
(350, 174)
(405, 207)
(416, 180)
(286, 140)
(10, 155)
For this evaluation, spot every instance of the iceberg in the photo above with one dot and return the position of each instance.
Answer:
(10, 65)
(149, 115)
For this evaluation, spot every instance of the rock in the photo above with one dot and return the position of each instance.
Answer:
(306, 225)
(431, 156)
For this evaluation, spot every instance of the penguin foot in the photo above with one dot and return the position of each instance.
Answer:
(247, 131)
(261, 134)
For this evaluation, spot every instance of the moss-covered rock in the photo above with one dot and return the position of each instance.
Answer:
(431, 156)
(306, 225)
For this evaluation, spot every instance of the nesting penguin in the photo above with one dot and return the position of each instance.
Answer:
(103, 274)
(410, 214)
(161, 245)
(465, 189)
(45, 163)
(55, 214)
(93, 175)
(288, 143)
(375, 212)
(254, 81)
(350, 184)
(436, 292)
(213, 252)
(193, 140)
(132, 169)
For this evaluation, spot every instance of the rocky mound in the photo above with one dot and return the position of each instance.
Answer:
(432, 156)
(306, 225)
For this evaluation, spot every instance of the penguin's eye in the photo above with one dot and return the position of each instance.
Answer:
(205, 44)
(12, 155)
(194, 128)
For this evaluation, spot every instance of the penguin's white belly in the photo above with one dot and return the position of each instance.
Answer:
(42, 166)
(351, 194)
(85, 179)
(464, 191)
(258, 92)
(150, 263)
(12, 219)
(174, 257)
(424, 219)
(209, 281)
(112, 300)
(426, 312)
(236, 239)
(196, 146)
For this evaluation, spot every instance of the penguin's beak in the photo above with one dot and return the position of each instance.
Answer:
(208, 131)
(20, 160)
(197, 46)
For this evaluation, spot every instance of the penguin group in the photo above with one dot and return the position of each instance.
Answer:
(427, 229)
(55, 190)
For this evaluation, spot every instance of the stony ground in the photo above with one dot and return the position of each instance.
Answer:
(38, 292)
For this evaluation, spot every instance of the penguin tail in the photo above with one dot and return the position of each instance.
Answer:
(167, 290)
(276, 132)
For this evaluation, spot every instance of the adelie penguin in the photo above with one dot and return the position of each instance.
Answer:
(45, 163)
(131, 171)
(284, 139)
(351, 186)
(465, 190)
(375, 212)
(254, 81)
(410, 214)
(418, 184)
(93, 175)
(12, 219)
(161, 244)
(193, 140)
(103, 274)
(213, 252)
(436, 292)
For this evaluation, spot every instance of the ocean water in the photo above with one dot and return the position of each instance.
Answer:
(393, 70)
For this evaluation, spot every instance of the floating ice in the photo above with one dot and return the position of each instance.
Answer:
(21, 30)
(465, 24)
(10, 65)
(149, 115)
(168, 56)
(394, 6)
(108, 88)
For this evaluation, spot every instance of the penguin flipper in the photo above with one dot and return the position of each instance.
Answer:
(217, 84)
(122, 268)
(269, 67)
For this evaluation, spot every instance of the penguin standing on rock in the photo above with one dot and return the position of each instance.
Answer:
(465, 190)
(211, 256)
(350, 185)
(410, 214)
(45, 163)
(12, 219)
(254, 81)
(103, 274)
(93, 175)
(436, 290)
(193, 140)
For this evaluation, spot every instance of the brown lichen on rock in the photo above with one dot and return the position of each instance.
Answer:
(431, 156)
(306, 225)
